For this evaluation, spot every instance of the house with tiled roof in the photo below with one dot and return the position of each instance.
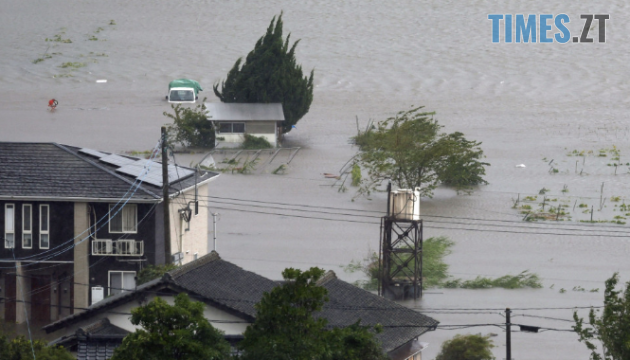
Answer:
(230, 294)
(77, 224)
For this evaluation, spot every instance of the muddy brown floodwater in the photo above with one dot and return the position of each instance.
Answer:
(528, 103)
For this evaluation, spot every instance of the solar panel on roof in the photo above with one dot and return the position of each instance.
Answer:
(137, 167)
(91, 152)
(151, 172)
(117, 160)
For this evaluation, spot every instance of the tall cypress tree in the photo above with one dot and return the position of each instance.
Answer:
(270, 74)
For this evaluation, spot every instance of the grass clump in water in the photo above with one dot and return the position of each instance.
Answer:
(254, 142)
(522, 280)
(435, 271)
(72, 65)
(356, 175)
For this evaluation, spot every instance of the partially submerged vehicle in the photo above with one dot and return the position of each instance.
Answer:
(183, 91)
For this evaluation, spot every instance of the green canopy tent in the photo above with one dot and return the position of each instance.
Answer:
(185, 83)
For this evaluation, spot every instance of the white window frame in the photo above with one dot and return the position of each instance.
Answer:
(8, 232)
(122, 277)
(47, 231)
(30, 221)
(120, 211)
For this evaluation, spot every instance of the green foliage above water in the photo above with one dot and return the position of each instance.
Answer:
(435, 270)
(410, 150)
(190, 127)
(522, 280)
(255, 142)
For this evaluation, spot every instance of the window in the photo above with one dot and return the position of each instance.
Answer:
(123, 220)
(9, 226)
(226, 127)
(27, 226)
(121, 281)
(44, 228)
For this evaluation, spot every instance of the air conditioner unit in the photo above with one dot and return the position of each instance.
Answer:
(132, 247)
(108, 246)
(98, 294)
(404, 204)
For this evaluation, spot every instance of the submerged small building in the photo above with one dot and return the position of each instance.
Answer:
(233, 120)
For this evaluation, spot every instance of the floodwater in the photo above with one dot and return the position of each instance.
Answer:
(528, 103)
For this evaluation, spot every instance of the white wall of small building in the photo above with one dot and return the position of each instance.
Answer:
(239, 138)
(195, 240)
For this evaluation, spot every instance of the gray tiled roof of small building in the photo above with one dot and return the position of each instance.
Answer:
(235, 288)
(238, 289)
(348, 303)
(241, 290)
(50, 170)
(244, 112)
(103, 328)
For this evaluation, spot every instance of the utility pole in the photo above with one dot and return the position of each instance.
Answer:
(167, 214)
(508, 335)
(214, 228)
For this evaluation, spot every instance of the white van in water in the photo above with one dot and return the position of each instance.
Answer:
(180, 95)
(183, 91)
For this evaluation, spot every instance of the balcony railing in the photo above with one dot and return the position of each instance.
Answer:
(117, 247)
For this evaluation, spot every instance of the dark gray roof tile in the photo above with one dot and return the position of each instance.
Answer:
(54, 171)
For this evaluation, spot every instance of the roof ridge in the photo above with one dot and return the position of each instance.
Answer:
(100, 167)
(328, 276)
(212, 256)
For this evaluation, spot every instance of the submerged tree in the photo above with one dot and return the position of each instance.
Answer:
(409, 150)
(611, 328)
(172, 332)
(270, 74)
(191, 127)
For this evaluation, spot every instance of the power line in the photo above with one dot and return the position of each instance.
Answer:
(382, 213)
(433, 221)
(520, 309)
(431, 226)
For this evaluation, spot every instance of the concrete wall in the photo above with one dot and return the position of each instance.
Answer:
(195, 239)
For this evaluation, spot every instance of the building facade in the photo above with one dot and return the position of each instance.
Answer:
(76, 226)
